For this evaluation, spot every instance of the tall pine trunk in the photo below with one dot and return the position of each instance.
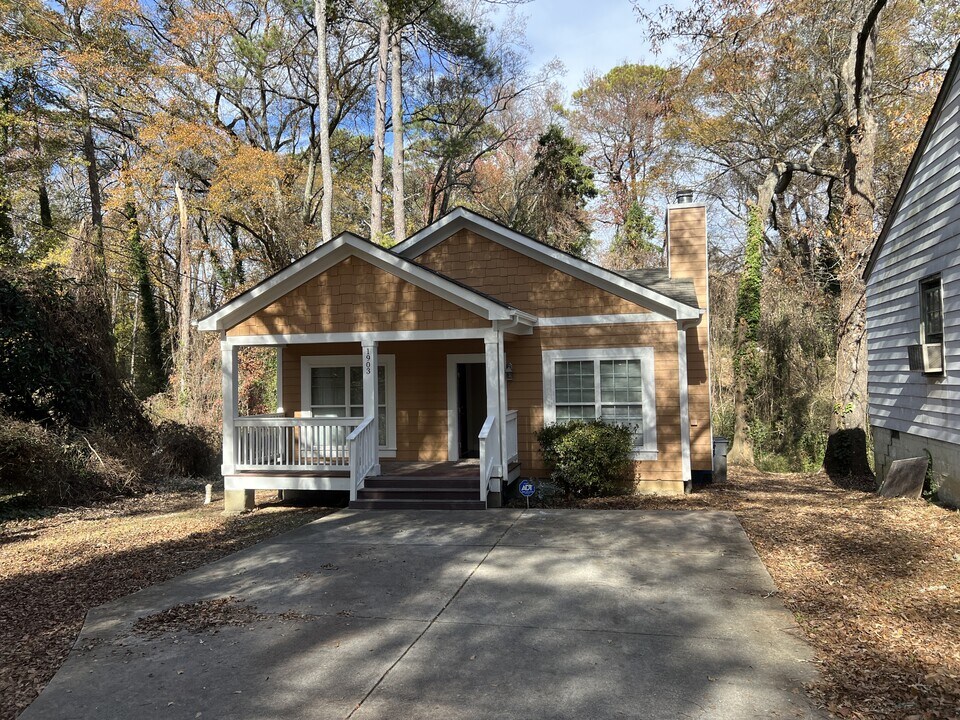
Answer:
(323, 121)
(379, 131)
(396, 166)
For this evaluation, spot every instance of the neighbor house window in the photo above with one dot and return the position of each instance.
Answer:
(931, 310)
(614, 385)
(332, 387)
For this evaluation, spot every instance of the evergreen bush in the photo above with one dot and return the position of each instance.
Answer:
(587, 458)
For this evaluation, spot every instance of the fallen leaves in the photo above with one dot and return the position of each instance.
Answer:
(55, 568)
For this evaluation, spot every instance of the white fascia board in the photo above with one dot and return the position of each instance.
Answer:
(327, 255)
(460, 219)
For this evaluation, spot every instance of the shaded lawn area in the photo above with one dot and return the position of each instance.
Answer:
(874, 583)
(53, 569)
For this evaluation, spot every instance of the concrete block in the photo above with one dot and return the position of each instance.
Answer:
(237, 501)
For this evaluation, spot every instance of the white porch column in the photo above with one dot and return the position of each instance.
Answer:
(280, 378)
(369, 367)
(234, 501)
(491, 351)
(228, 369)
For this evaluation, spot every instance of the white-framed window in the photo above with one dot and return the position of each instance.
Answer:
(612, 384)
(332, 386)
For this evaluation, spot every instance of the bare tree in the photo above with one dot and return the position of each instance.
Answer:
(323, 120)
(396, 165)
(379, 128)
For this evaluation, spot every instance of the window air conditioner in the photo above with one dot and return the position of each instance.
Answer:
(926, 358)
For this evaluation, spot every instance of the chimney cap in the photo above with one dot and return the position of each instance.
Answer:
(684, 196)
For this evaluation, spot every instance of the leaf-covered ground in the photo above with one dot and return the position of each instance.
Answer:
(874, 583)
(53, 569)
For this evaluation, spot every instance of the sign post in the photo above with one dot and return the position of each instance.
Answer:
(527, 488)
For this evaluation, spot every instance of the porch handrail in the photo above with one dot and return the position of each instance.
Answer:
(513, 448)
(286, 443)
(363, 446)
(281, 421)
(489, 454)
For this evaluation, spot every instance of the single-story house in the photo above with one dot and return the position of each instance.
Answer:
(418, 376)
(913, 306)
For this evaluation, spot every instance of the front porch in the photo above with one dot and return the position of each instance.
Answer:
(412, 431)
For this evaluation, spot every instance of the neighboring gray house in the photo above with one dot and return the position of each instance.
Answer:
(913, 305)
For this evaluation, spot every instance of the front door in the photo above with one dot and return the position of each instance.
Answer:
(471, 407)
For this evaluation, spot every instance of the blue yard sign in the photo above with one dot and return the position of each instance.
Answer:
(527, 488)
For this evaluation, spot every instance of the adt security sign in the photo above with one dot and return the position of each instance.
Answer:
(527, 489)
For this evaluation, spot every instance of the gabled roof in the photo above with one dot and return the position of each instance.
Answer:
(663, 298)
(918, 154)
(343, 246)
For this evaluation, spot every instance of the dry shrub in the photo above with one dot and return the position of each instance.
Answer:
(184, 451)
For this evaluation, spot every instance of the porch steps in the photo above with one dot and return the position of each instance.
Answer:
(406, 492)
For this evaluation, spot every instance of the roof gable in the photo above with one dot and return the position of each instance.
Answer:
(607, 280)
(952, 76)
(329, 254)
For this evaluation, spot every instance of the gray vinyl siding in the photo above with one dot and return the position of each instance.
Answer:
(923, 239)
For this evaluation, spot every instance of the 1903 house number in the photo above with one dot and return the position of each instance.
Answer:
(367, 365)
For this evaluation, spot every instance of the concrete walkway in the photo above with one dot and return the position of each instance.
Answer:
(422, 614)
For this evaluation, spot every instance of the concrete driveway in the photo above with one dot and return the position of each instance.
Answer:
(426, 614)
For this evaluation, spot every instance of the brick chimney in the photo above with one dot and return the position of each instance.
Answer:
(686, 250)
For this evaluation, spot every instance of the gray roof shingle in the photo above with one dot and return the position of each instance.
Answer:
(658, 280)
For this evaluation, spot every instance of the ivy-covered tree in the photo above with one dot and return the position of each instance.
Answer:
(746, 349)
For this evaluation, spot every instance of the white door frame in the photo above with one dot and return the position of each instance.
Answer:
(453, 421)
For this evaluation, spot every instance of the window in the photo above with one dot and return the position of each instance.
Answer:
(332, 386)
(615, 385)
(931, 311)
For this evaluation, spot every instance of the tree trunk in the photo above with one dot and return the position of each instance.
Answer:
(396, 99)
(379, 131)
(741, 447)
(323, 118)
(846, 452)
(184, 305)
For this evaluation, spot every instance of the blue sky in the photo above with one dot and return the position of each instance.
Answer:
(586, 34)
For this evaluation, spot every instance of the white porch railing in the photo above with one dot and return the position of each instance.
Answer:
(489, 454)
(363, 448)
(283, 443)
(512, 450)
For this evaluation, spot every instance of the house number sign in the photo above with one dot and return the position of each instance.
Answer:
(367, 365)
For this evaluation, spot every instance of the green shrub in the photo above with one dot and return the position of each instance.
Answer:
(587, 458)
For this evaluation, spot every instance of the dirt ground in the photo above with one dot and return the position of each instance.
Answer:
(54, 568)
(874, 583)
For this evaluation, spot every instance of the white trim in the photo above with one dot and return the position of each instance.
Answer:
(644, 354)
(379, 336)
(389, 362)
(453, 420)
(461, 218)
(625, 318)
(335, 251)
(253, 481)
(684, 402)
(493, 350)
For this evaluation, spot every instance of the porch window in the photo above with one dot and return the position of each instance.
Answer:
(334, 388)
(614, 385)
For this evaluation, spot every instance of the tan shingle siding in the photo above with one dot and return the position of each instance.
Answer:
(519, 280)
(355, 296)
